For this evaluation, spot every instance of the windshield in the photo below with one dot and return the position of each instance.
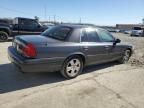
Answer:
(137, 28)
(57, 32)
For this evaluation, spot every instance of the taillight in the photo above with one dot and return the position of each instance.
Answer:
(29, 51)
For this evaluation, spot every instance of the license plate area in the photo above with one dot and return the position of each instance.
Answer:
(17, 46)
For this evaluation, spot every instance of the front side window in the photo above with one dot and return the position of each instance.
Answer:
(105, 36)
(59, 33)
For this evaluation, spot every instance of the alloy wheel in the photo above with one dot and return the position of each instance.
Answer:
(126, 56)
(73, 67)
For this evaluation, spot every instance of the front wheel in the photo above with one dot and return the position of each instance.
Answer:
(72, 67)
(3, 36)
(125, 57)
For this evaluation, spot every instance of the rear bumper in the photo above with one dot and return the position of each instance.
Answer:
(34, 65)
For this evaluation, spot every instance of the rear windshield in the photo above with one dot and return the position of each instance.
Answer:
(58, 32)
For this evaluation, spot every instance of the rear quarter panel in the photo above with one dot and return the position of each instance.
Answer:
(57, 50)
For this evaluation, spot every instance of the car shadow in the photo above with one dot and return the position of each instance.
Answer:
(93, 68)
(12, 80)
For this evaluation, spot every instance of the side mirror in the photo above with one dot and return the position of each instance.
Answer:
(117, 41)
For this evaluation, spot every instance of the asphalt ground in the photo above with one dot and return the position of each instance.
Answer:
(110, 85)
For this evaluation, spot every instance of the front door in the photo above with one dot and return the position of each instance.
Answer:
(114, 51)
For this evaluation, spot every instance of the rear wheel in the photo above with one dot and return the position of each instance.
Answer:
(125, 57)
(72, 67)
(3, 36)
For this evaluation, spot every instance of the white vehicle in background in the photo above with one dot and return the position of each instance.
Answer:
(117, 30)
(128, 31)
(114, 30)
(137, 31)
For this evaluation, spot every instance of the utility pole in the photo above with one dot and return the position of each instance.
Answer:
(49, 18)
(80, 20)
(45, 12)
(54, 18)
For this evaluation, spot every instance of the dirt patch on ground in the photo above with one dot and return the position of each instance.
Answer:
(137, 58)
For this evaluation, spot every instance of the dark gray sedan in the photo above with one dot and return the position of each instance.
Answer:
(67, 48)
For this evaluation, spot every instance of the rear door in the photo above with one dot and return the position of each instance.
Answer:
(95, 50)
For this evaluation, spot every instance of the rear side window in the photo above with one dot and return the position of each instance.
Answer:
(89, 35)
(92, 35)
(84, 37)
(105, 36)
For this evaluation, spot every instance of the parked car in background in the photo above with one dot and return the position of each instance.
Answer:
(122, 30)
(137, 31)
(20, 26)
(48, 25)
(68, 49)
(127, 31)
(117, 30)
(114, 30)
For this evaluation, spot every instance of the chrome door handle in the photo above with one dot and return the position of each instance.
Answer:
(107, 47)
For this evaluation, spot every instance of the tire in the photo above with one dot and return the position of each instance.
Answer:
(3, 36)
(125, 57)
(72, 67)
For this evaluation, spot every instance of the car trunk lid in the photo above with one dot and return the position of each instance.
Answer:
(27, 45)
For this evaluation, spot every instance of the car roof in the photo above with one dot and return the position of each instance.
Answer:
(76, 26)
